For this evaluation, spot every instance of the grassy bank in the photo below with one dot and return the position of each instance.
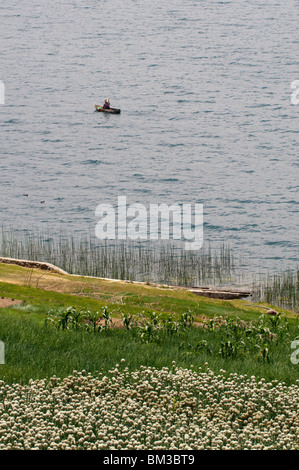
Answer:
(163, 263)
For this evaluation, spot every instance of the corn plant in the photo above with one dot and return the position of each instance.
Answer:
(186, 320)
(265, 354)
(154, 318)
(91, 320)
(279, 326)
(147, 332)
(228, 349)
(127, 321)
(76, 316)
(107, 318)
(170, 326)
(202, 345)
(63, 319)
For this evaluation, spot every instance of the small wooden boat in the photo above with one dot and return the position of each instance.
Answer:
(100, 109)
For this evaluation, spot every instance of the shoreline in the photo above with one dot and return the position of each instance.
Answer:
(211, 292)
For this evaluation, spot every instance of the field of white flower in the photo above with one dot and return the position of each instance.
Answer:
(171, 408)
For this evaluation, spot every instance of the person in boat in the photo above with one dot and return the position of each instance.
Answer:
(106, 104)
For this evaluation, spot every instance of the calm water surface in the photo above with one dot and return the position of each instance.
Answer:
(204, 88)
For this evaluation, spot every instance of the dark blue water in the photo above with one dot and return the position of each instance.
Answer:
(205, 93)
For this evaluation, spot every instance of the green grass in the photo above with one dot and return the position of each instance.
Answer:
(33, 350)
(119, 297)
(130, 299)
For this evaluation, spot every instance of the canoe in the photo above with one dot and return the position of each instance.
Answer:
(100, 109)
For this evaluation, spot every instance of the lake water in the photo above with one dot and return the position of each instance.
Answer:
(206, 117)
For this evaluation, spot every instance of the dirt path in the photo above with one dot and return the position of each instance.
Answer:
(5, 302)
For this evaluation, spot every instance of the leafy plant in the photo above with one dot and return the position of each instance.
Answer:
(127, 321)
(186, 320)
(107, 318)
(63, 319)
(91, 319)
(228, 349)
(170, 325)
(154, 318)
(147, 332)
